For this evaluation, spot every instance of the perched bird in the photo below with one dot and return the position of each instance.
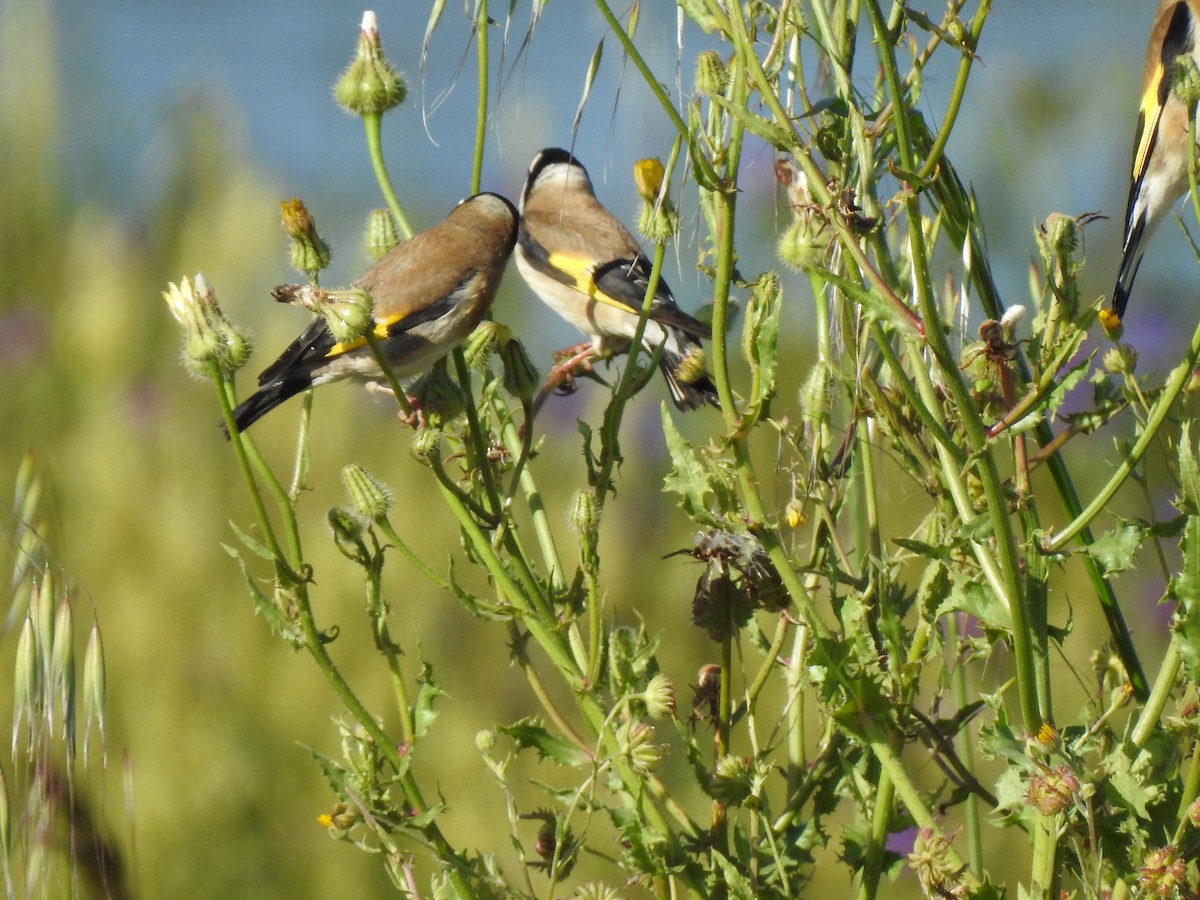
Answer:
(429, 293)
(580, 260)
(1161, 144)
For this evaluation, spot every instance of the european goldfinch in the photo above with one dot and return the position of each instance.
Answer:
(429, 293)
(1161, 153)
(587, 267)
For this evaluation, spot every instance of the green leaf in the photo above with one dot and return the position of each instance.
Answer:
(976, 599)
(688, 477)
(1128, 784)
(1115, 549)
(1185, 588)
(270, 611)
(1189, 474)
(732, 879)
(777, 137)
(251, 544)
(760, 336)
(531, 733)
(427, 693)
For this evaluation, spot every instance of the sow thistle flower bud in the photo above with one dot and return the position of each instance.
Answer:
(381, 235)
(585, 512)
(309, 252)
(730, 782)
(1185, 82)
(693, 366)
(711, 75)
(425, 445)
(659, 697)
(1120, 360)
(657, 220)
(209, 339)
(804, 244)
(370, 499)
(635, 742)
(347, 313)
(481, 343)
(370, 85)
(521, 377)
(439, 396)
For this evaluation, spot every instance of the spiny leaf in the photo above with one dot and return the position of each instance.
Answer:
(1116, 549)
(530, 733)
(1189, 473)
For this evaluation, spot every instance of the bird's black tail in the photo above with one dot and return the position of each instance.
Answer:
(1130, 260)
(263, 401)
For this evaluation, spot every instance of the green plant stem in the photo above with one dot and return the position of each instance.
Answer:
(537, 508)
(1176, 382)
(966, 752)
(881, 818)
(976, 432)
(797, 757)
(389, 531)
(970, 42)
(726, 200)
(372, 126)
(481, 112)
(701, 162)
(1150, 718)
(909, 795)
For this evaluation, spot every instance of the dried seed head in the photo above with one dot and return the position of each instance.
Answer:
(1052, 792)
(1164, 873)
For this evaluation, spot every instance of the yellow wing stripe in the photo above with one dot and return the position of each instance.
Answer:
(381, 331)
(1151, 112)
(579, 269)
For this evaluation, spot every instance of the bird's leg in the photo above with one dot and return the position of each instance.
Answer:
(415, 418)
(569, 363)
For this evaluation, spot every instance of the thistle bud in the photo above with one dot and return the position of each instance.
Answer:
(803, 245)
(370, 85)
(1120, 360)
(347, 531)
(485, 740)
(521, 377)
(381, 234)
(481, 343)
(711, 75)
(439, 396)
(1185, 82)
(1059, 235)
(635, 742)
(657, 220)
(370, 499)
(659, 697)
(793, 513)
(585, 512)
(731, 782)
(693, 366)
(209, 339)
(347, 313)
(309, 252)
(425, 445)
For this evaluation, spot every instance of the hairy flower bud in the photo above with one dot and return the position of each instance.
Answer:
(370, 85)
(712, 77)
(521, 377)
(659, 697)
(209, 339)
(309, 252)
(481, 343)
(370, 499)
(657, 220)
(381, 234)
